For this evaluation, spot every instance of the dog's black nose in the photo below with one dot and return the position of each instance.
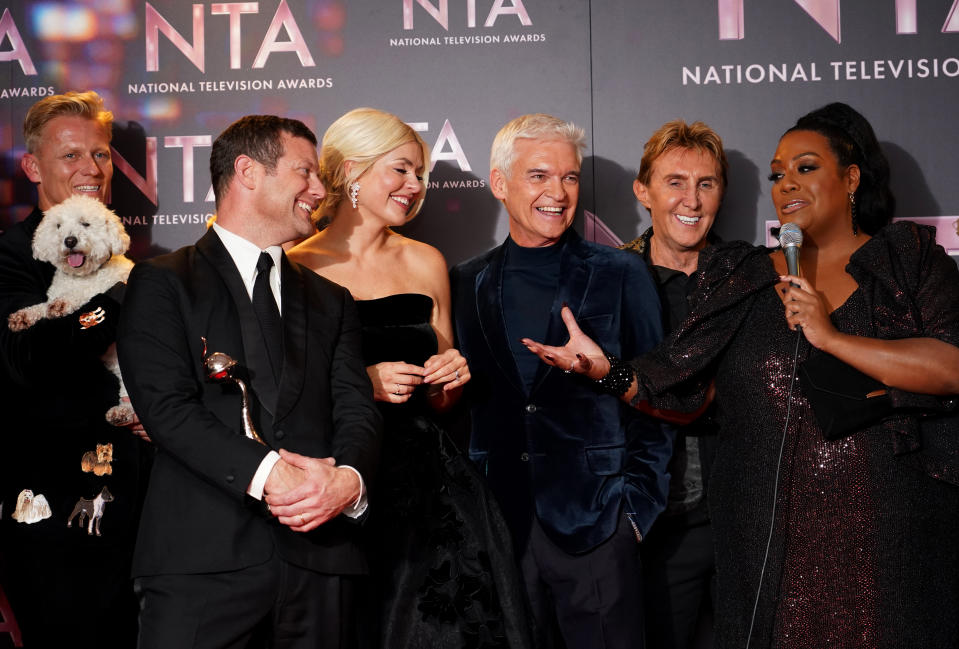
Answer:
(70, 242)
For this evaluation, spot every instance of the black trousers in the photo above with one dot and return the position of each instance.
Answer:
(679, 578)
(275, 604)
(593, 600)
(54, 590)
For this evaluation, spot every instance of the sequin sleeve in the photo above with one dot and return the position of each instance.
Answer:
(676, 374)
(912, 287)
(937, 297)
(911, 283)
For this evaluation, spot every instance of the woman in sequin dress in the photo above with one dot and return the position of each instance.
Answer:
(442, 570)
(847, 543)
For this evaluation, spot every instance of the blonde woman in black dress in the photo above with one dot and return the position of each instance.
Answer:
(440, 557)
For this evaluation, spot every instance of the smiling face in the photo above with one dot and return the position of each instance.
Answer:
(286, 197)
(683, 195)
(809, 189)
(540, 192)
(392, 185)
(73, 158)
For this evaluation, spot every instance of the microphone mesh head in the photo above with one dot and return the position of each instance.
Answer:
(790, 235)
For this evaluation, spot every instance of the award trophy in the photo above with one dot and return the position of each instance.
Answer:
(219, 368)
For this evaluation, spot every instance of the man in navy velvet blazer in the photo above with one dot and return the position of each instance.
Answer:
(579, 475)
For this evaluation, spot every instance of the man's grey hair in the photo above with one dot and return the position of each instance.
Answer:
(535, 126)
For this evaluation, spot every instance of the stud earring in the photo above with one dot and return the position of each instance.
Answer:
(354, 192)
(852, 208)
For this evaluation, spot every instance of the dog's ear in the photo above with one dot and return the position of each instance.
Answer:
(121, 242)
(46, 244)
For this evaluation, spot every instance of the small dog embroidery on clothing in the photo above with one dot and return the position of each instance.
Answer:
(92, 318)
(91, 511)
(98, 462)
(31, 508)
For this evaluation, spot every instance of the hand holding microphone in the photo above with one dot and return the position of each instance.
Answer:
(790, 240)
(805, 309)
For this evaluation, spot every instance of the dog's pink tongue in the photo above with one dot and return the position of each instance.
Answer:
(75, 259)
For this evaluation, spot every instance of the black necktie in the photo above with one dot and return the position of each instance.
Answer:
(268, 315)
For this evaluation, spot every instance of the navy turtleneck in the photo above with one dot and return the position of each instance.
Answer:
(530, 279)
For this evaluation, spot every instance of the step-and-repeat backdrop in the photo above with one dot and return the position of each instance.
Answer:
(175, 73)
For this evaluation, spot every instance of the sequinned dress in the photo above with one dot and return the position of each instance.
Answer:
(443, 571)
(864, 548)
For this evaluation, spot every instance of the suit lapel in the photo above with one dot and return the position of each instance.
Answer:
(489, 308)
(294, 337)
(574, 276)
(254, 351)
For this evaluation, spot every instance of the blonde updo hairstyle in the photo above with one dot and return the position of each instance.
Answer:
(362, 136)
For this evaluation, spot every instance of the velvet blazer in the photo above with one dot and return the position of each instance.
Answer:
(568, 453)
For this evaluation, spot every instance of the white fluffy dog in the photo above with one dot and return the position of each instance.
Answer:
(30, 508)
(86, 243)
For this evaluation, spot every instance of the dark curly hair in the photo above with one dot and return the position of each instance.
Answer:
(853, 142)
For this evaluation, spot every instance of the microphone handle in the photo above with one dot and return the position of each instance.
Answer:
(792, 265)
(792, 261)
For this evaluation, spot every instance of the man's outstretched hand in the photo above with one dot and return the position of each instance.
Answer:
(580, 354)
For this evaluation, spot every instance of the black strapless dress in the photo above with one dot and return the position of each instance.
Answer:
(443, 571)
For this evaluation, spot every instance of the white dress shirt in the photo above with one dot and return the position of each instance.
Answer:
(245, 255)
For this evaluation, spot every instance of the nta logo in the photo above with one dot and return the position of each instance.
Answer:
(826, 15)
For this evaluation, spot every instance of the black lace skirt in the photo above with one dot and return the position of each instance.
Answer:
(443, 570)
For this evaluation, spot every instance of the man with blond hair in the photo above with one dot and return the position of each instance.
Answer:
(62, 581)
(681, 180)
(580, 476)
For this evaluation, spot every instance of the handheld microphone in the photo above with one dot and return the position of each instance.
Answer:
(790, 239)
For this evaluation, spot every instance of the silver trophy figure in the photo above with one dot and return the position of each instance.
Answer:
(219, 368)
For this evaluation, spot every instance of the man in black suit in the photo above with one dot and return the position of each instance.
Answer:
(56, 392)
(213, 565)
(579, 475)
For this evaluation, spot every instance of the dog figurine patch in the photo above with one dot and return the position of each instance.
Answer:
(98, 462)
(92, 318)
(91, 511)
(85, 241)
(31, 508)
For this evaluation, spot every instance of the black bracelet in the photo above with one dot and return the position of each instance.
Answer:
(618, 379)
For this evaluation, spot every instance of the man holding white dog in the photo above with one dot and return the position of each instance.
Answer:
(61, 461)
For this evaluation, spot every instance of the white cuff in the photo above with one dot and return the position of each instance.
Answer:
(258, 483)
(356, 509)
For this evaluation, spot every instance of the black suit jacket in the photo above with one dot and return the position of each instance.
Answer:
(576, 457)
(54, 392)
(197, 516)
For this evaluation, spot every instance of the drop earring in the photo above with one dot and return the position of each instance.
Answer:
(355, 191)
(852, 208)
